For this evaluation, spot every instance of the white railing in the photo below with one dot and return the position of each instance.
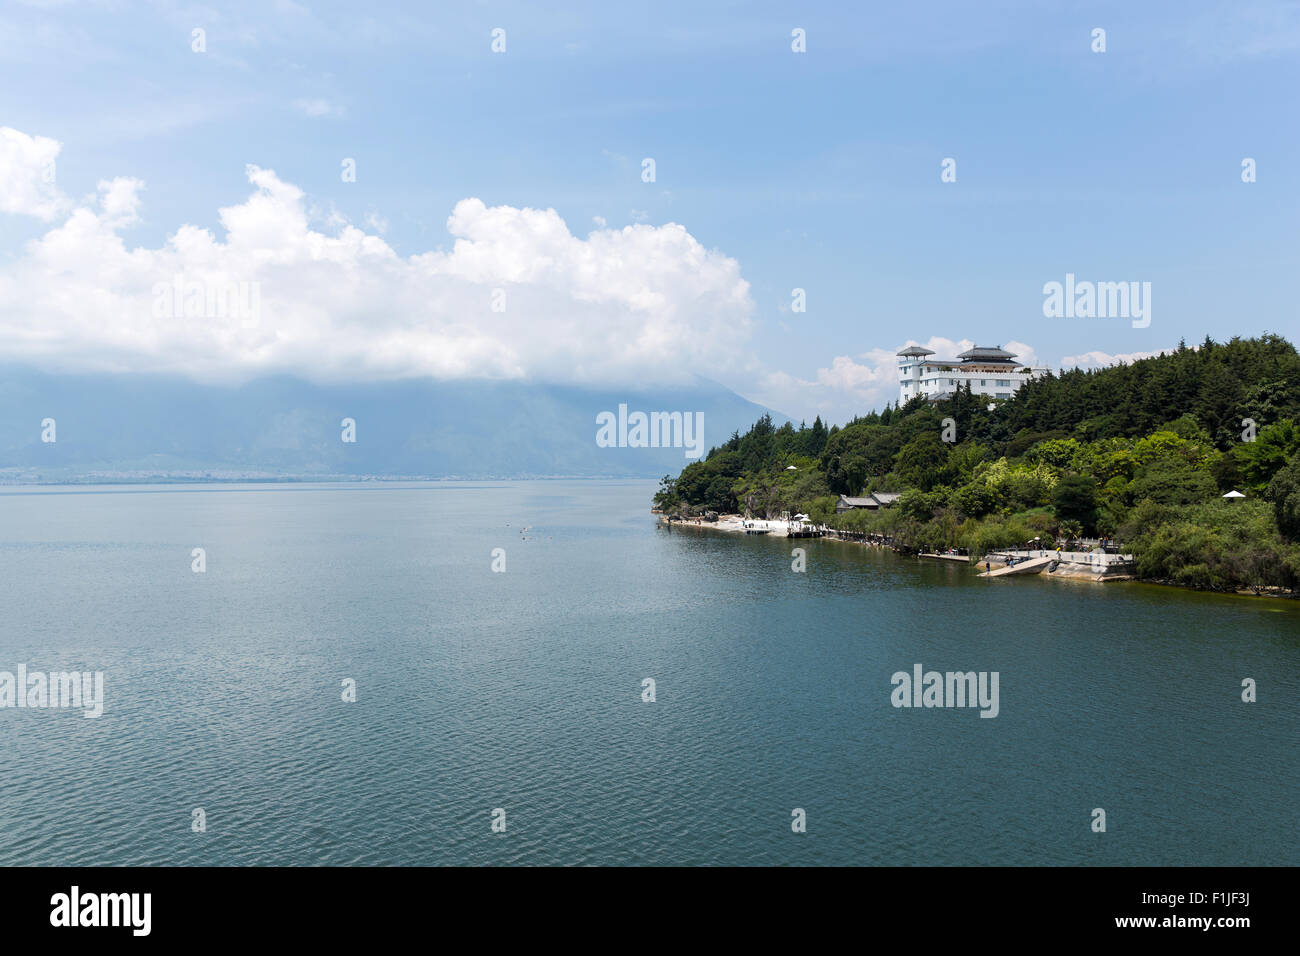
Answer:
(1069, 557)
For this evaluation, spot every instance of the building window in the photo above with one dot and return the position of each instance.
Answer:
(1004, 384)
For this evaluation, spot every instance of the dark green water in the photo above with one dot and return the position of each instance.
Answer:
(522, 690)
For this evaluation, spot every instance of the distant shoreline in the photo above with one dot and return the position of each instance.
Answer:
(299, 480)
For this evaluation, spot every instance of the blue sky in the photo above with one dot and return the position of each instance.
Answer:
(817, 170)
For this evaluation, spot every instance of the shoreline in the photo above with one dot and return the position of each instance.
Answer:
(735, 524)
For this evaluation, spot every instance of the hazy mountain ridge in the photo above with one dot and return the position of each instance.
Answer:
(132, 427)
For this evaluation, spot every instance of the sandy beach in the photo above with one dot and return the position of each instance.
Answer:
(736, 524)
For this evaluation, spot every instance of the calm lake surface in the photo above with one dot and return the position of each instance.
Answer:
(522, 690)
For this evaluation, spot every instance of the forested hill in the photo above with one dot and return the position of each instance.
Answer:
(1218, 385)
(1093, 451)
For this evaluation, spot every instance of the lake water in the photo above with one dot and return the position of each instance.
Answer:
(522, 690)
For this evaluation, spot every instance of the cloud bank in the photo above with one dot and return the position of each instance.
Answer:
(1097, 359)
(518, 296)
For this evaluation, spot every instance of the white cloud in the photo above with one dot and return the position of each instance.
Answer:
(850, 376)
(1104, 359)
(638, 304)
(27, 175)
(119, 201)
(317, 107)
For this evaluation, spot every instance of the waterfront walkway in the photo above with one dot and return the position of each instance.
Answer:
(1093, 559)
(1096, 565)
(1023, 566)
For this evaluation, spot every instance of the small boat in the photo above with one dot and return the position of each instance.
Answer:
(758, 531)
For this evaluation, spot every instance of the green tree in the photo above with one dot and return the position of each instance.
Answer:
(1284, 492)
(921, 460)
(1173, 481)
(666, 496)
(1265, 456)
(1075, 499)
(974, 500)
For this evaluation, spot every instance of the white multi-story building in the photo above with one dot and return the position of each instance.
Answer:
(988, 371)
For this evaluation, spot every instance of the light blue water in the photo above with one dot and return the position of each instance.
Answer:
(522, 690)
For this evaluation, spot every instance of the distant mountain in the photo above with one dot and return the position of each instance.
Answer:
(109, 427)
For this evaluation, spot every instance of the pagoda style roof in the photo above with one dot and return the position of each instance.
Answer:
(874, 500)
(981, 355)
(915, 350)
